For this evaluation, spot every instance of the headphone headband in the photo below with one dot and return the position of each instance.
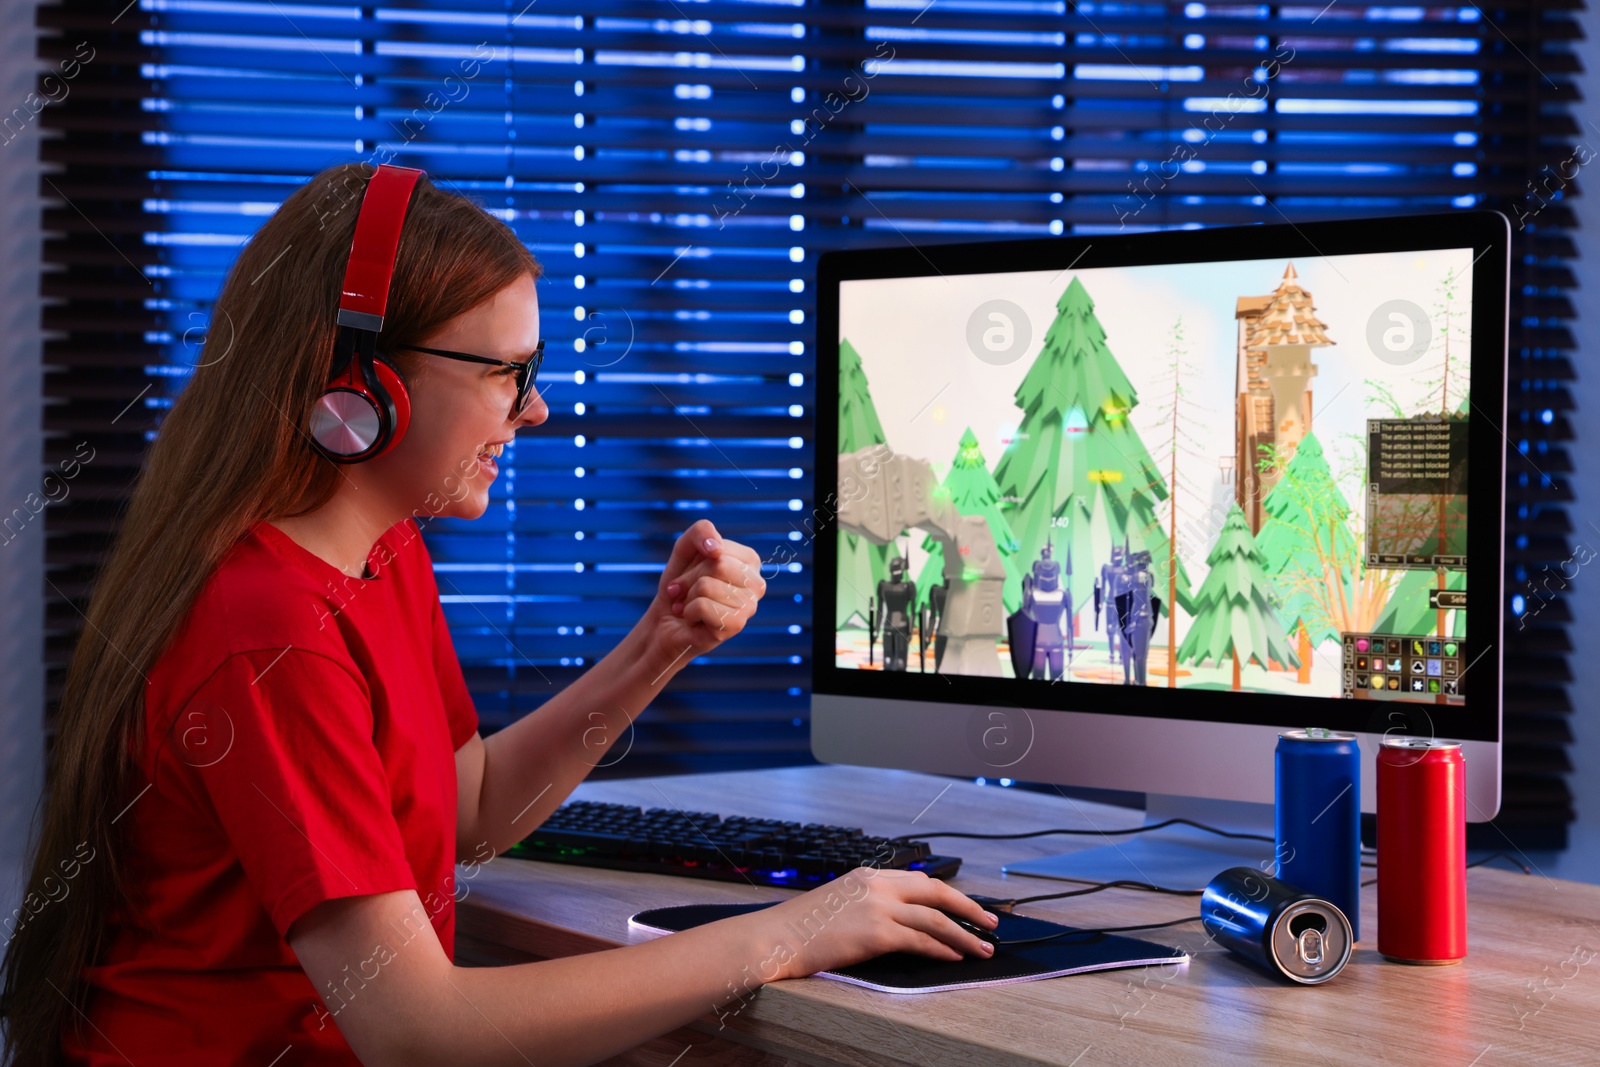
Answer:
(364, 409)
(365, 294)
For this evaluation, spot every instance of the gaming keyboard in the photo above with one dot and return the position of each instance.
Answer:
(734, 848)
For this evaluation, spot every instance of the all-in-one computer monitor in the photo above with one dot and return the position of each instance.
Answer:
(1113, 511)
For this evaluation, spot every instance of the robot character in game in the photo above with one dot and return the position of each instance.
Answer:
(892, 614)
(932, 617)
(1113, 577)
(1041, 630)
(1137, 614)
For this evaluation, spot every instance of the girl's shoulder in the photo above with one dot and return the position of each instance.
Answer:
(257, 598)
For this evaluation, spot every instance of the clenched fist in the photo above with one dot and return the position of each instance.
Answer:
(708, 591)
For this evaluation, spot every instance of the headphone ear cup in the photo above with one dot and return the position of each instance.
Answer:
(399, 400)
(346, 420)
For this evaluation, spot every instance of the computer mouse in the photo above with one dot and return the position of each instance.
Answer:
(972, 928)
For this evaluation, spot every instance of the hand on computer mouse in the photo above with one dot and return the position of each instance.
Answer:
(867, 913)
(982, 933)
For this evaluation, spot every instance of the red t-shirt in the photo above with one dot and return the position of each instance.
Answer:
(300, 737)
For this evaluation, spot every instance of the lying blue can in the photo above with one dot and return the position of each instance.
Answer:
(1318, 818)
(1291, 933)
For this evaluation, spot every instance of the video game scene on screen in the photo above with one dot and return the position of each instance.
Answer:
(1245, 475)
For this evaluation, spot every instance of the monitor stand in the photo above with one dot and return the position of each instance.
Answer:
(1176, 857)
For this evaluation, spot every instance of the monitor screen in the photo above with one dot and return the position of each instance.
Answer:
(1241, 476)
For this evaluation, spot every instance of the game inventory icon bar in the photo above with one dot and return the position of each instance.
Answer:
(1402, 667)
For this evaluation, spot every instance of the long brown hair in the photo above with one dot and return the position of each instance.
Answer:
(237, 430)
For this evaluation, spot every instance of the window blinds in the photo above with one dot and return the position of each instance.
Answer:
(677, 166)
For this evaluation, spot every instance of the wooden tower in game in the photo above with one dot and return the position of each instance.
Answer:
(1276, 335)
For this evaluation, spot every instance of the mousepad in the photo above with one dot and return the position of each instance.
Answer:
(907, 972)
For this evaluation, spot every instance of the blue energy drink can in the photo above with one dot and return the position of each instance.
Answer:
(1289, 932)
(1318, 818)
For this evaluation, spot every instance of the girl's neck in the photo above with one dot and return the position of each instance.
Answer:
(333, 534)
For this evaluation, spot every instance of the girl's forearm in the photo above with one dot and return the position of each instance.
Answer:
(582, 1009)
(411, 1006)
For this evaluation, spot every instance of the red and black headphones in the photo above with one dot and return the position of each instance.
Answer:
(365, 409)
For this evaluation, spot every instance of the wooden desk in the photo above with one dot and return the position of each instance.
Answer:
(1527, 993)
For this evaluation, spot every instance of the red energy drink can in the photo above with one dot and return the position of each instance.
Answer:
(1422, 850)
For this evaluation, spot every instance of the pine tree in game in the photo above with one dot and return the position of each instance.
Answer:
(1310, 552)
(1076, 461)
(1184, 422)
(1451, 341)
(1235, 617)
(1407, 610)
(972, 489)
(862, 565)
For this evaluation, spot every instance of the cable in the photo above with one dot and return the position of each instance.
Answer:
(1101, 833)
(1121, 883)
(1475, 863)
(1478, 863)
(1100, 930)
(1124, 883)
(1008, 907)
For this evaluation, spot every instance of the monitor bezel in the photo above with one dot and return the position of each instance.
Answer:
(1486, 232)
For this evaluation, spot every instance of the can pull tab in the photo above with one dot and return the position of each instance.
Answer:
(1310, 946)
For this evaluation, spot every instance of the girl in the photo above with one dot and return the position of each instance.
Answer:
(268, 762)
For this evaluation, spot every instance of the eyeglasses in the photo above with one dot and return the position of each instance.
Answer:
(527, 370)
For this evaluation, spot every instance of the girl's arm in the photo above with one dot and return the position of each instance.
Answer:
(386, 983)
(509, 783)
